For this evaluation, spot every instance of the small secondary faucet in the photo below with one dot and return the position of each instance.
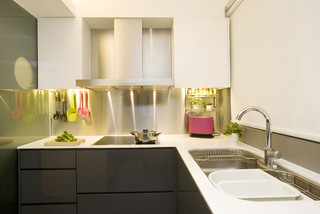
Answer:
(269, 153)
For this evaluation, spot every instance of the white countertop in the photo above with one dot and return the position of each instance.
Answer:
(218, 202)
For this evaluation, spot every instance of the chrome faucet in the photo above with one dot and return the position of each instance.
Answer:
(269, 153)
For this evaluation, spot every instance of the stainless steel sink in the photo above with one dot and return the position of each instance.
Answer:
(302, 184)
(211, 160)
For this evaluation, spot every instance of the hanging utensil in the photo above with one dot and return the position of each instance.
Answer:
(80, 109)
(37, 112)
(72, 113)
(20, 106)
(4, 102)
(28, 113)
(64, 108)
(15, 114)
(40, 105)
(85, 112)
(43, 113)
(56, 116)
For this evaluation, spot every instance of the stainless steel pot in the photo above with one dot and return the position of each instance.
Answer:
(145, 136)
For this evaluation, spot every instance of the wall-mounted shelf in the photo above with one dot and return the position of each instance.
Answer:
(201, 103)
(189, 110)
(203, 97)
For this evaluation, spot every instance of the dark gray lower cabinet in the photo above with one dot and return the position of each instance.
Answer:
(125, 170)
(47, 182)
(135, 181)
(191, 203)
(189, 198)
(47, 186)
(48, 159)
(131, 203)
(113, 181)
(49, 209)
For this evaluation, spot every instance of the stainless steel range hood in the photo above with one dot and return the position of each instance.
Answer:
(145, 84)
(131, 55)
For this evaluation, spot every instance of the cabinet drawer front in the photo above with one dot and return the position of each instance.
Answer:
(125, 170)
(49, 209)
(192, 202)
(47, 159)
(133, 203)
(185, 180)
(47, 186)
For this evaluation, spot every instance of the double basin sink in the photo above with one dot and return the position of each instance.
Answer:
(243, 175)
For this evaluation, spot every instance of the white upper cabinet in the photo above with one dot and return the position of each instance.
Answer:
(139, 55)
(201, 52)
(64, 52)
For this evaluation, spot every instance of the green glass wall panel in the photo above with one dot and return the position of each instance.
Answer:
(18, 42)
(18, 75)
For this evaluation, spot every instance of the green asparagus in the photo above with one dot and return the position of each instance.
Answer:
(66, 137)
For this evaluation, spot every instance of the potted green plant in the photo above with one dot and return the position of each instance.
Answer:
(197, 103)
(234, 130)
(208, 106)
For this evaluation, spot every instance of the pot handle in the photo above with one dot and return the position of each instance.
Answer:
(156, 134)
(132, 132)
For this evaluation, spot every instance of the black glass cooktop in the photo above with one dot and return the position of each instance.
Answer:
(119, 140)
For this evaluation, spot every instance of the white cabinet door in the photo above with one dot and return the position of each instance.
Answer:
(63, 52)
(201, 52)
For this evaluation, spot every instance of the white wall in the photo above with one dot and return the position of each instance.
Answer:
(275, 64)
(150, 8)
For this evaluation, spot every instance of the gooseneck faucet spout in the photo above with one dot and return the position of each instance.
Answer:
(266, 116)
(269, 153)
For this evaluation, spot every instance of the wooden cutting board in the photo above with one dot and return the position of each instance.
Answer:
(55, 143)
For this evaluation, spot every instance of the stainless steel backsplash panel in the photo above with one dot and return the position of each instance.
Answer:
(296, 150)
(169, 117)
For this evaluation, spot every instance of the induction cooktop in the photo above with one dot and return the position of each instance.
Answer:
(119, 140)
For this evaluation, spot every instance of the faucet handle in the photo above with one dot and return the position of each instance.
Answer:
(269, 156)
(276, 154)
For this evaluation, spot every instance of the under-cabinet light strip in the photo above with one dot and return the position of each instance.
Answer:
(154, 109)
(112, 111)
(133, 112)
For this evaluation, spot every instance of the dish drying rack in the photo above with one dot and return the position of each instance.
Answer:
(212, 158)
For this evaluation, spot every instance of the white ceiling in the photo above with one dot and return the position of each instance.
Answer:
(122, 8)
(47, 8)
